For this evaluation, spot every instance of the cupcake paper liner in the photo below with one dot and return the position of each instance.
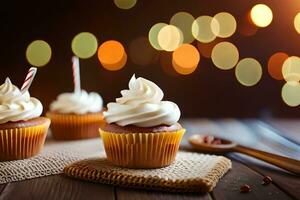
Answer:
(141, 150)
(75, 127)
(24, 142)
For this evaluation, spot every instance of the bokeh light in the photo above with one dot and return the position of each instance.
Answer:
(246, 26)
(202, 31)
(248, 71)
(153, 35)
(261, 15)
(112, 55)
(291, 69)
(205, 49)
(38, 53)
(275, 64)
(125, 4)
(225, 55)
(84, 45)
(141, 52)
(170, 38)
(297, 22)
(165, 60)
(290, 94)
(223, 25)
(184, 21)
(185, 59)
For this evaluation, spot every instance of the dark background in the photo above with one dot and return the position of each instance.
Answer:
(208, 92)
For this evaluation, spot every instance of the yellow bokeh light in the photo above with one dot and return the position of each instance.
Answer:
(248, 71)
(201, 29)
(125, 4)
(153, 33)
(291, 69)
(290, 94)
(112, 55)
(261, 15)
(297, 22)
(184, 21)
(170, 38)
(141, 52)
(225, 55)
(223, 25)
(185, 59)
(84, 45)
(38, 53)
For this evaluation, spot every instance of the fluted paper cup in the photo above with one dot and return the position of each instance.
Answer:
(75, 127)
(22, 142)
(142, 150)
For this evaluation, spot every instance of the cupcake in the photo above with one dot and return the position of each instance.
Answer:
(22, 130)
(142, 131)
(76, 115)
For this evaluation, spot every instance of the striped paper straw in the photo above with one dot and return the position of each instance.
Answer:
(28, 80)
(76, 74)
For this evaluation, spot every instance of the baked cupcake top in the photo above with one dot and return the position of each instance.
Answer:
(78, 103)
(17, 106)
(142, 106)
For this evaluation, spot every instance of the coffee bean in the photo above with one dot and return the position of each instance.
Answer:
(245, 188)
(267, 180)
(217, 141)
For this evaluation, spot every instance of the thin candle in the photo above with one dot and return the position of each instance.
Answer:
(76, 74)
(28, 80)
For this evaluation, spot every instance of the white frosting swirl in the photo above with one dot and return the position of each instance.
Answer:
(15, 106)
(142, 106)
(78, 103)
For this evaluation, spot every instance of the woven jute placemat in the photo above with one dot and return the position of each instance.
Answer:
(191, 172)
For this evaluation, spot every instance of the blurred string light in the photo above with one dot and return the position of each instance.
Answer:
(153, 35)
(248, 71)
(84, 45)
(246, 26)
(275, 64)
(205, 49)
(169, 38)
(297, 22)
(38, 53)
(290, 94)
(261, 15)
(202, 31)
(291, 69)
(225, 55)
(184, 21)
(125, 4)
(141, 52)
(185, 59)
(223, 25)
(112, 55)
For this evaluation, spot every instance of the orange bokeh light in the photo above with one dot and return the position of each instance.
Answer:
(275, 65)
(112, 55)
(185, 59)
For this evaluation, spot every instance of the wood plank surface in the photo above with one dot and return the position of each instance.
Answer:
(56, 187)
(131, 194)
(289, 183)
(229, 185)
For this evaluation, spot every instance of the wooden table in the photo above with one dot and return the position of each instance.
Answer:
(245, 170)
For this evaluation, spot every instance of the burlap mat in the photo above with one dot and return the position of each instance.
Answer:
(191, 172)
(54, 157)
